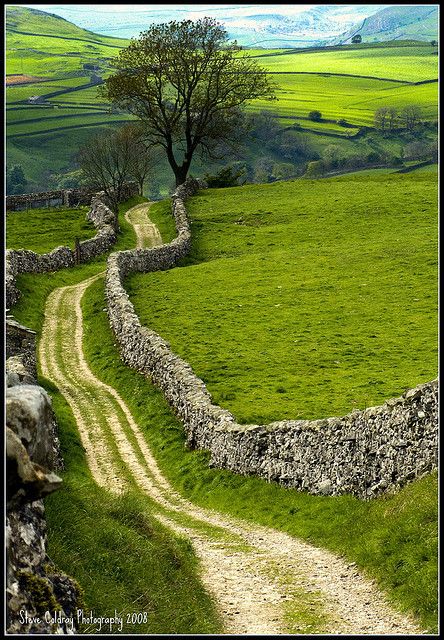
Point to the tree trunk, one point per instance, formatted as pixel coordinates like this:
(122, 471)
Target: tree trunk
(181, 175)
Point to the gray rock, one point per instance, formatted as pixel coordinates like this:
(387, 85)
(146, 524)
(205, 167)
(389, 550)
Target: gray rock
(29, 414)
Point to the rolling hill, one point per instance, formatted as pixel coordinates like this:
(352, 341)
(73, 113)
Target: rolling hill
(62, 65)
(396, 23)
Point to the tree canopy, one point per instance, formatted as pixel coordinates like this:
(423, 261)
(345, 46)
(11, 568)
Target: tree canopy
(187, 84)
(111, 159)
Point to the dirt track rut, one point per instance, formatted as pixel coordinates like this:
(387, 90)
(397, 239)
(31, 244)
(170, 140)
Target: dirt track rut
(263, 581)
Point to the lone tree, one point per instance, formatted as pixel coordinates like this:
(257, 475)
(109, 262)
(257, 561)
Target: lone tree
(185, 83)
(110, 160)
(357, 39)
(316, 116)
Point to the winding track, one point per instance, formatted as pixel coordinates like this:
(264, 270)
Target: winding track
(263, 581)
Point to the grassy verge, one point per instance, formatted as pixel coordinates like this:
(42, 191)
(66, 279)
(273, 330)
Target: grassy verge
(160, 214)
(394, 539)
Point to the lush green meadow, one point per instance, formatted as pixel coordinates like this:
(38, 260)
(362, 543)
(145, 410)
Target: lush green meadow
(304, 299)
(42, 230)
(25, 20)
(393, 539)
(46, 45)
(351, 98)
(410, 63)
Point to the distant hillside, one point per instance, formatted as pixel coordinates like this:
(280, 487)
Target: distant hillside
(396, 23)
(252, 25)
(29, 21)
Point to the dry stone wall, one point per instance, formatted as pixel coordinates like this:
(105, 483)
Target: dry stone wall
(60, 197)
(364, 453)
(25, 261)
(40, 599)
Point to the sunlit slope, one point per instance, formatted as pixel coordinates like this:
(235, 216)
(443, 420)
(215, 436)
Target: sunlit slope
(305, 299)
(352, 83)
(44, 45)
(412, 63)
(32, 21)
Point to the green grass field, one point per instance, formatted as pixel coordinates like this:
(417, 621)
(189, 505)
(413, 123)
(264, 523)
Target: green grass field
(42, 230)
(410, 63)
(45, 45)
(352, 99)
(302, 299)
(57, 49)
(393, 539)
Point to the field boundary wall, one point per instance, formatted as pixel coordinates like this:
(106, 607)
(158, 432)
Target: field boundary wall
(25, 261)
(33, 462)
(364, 453)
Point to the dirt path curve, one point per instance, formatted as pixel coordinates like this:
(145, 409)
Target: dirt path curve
(264, 582)
(147, 233)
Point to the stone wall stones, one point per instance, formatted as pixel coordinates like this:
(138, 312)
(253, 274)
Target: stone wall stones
(34, 585)
(20, 344)
(364, 453)
(61, 197)
(25, 261)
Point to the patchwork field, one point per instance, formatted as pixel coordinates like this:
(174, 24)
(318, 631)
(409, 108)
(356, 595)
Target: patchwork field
(351, 98)
(410, 62)
(56, 50)
(304, 299)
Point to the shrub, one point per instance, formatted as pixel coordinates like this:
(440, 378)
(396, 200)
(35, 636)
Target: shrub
(316, 116)
(421, 150)
(355, 161)
(373, 156)
(16, 181)
(342, 122)
(283, 171)
(294, 147)
(263, 170)
(332, 156)
(226, 177)
(315, 169)
(396, 161)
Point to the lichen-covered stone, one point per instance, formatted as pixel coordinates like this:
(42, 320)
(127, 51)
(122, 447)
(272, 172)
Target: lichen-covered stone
(36, 591)
(28, 414)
